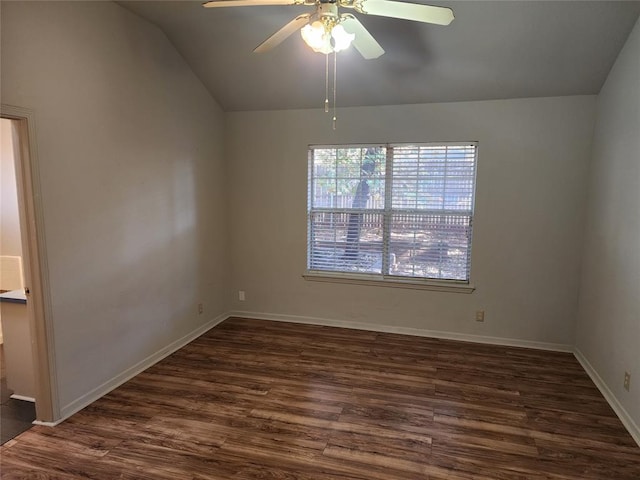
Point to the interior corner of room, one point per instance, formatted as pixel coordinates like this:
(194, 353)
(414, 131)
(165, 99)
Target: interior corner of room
(158, 205)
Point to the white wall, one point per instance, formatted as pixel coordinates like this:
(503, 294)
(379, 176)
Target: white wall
(608, 327)
(131, 160)
(532, 169)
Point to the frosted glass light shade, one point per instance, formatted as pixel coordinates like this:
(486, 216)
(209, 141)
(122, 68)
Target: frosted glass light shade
(341, 39)
(315, 35)
(321, 40)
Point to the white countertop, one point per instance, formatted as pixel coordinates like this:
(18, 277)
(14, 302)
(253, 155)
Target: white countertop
(14, 296)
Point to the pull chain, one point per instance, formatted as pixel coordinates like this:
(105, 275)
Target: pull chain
(326, 85)
(335, 68)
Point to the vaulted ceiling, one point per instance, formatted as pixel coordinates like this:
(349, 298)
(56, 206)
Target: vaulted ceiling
(492, 50)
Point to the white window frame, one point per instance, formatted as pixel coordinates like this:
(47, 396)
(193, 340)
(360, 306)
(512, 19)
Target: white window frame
(454, 286)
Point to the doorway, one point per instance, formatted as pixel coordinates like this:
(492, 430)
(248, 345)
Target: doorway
(32, 299)
(17, 386)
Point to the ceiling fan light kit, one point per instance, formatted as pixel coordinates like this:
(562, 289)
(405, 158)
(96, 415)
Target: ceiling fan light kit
(324, 39)
(327, 31)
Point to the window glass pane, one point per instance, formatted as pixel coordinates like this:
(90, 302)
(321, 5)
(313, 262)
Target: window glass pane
(324, 163)
(460, 178)
(349, 162)
(346, 242)
(322, 189)
(347, 191)
(430, 246)
(376, 193)
(404, 192)
(437, 177)
(348, 178)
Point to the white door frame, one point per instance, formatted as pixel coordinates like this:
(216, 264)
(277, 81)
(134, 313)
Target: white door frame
(36, 273)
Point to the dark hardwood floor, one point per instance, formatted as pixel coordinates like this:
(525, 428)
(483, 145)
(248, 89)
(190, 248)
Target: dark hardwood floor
(16, 416)
(265, 400)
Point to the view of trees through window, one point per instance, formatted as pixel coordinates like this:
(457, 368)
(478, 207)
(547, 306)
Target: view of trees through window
(392, 210)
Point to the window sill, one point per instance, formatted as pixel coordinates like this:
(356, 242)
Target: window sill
(394, 282)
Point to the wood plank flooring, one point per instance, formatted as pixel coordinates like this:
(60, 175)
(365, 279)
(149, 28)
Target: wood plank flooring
(266, 400)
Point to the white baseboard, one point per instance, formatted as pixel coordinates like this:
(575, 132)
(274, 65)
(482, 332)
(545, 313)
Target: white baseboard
(131, 372)
(620, 411)
(463, 337)
(48, 424)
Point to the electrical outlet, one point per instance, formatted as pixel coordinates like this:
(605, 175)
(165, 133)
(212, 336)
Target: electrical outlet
(241, 295)
(627, 381)
(480, 316)
(200, 309)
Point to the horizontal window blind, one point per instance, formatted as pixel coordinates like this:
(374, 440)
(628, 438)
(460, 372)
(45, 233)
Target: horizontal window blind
(394, 210)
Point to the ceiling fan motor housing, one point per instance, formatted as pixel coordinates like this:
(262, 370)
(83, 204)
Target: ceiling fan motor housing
(327, 10)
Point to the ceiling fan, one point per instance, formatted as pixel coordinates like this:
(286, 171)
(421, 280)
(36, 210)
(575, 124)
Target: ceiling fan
(327, 31)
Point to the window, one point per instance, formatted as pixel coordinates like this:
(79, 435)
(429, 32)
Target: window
(400, 211)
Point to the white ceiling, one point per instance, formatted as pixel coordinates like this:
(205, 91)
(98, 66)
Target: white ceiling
(492, 50)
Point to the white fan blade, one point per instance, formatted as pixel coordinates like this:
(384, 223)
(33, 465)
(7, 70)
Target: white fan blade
(407, 11)
(249, 3)
(278, 37)
(364, 42)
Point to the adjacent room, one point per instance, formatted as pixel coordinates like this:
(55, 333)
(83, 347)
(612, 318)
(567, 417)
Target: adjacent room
(325, 239)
